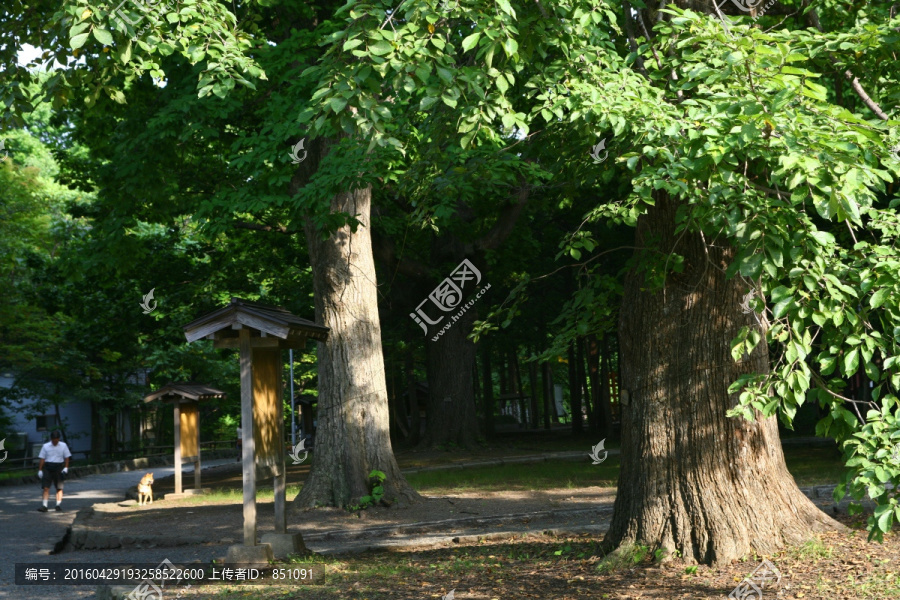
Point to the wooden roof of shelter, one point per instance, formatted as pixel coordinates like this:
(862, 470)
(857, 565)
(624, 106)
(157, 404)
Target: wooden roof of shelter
(271, 326)
(172, 392)
(306, 398)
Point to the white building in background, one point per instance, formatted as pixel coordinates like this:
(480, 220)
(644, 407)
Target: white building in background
(32, 425)
(34, 431)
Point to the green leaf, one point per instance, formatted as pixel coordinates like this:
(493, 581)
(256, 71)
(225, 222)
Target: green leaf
(851, 362)
(78, 41)
(337, 104)
(878, 298)
(823, 237)
(103, 36)
(781, 308)
(505, 7)
(470, 41)
(380, 48)
(427, 102)
(125, 52)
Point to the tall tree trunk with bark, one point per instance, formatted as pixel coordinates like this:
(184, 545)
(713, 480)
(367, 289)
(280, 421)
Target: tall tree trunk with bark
(593, 356)
(581, 374)
(352, 437)
(451, 398)
(534, 389)
(693, 480)
(488, 378)
(412, 398)
(548, 411)
(575, 392)
(604, 418)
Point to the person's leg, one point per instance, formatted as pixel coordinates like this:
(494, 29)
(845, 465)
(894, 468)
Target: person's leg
(44, 496)
(58, 482)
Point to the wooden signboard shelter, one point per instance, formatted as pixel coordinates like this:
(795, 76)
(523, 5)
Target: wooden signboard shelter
(260, 332)
(186, 398)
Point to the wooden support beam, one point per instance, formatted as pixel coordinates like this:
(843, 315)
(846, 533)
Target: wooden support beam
(280, 483)
(255, 342)
(177, 411)
(247, 447)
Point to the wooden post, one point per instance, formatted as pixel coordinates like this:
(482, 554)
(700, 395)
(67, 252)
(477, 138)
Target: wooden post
(178, 489)
(280, 483)
(280, 515)
(247, 448)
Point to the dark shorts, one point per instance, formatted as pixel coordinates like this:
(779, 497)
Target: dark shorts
(53, 473)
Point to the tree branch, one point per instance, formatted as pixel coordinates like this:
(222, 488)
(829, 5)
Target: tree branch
(385, 251)
(505, 224)
(256, 227)
(813, 19)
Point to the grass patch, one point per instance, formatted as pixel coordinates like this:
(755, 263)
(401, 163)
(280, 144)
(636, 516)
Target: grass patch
(235, 496)
(812, 549)
(814, 466)
(521, 477)
(809, 466)
(626, 556)
(18, 473)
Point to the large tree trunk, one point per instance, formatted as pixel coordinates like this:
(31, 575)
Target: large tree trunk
(575, 392)
(412, 399)
(693, 480)
(352, 437)
(488, 378)
(604, 412)
(451, 398)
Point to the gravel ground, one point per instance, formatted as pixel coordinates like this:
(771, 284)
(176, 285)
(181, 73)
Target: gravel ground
(29, 536)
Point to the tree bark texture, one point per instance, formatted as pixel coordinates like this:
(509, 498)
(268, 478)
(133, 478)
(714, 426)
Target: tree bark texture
(487, 376)
(604, 419)
(353, 436)
(412, 399)
(533, 389)
(575, 392)
(714, 488)
(451, 399)
(547, 402)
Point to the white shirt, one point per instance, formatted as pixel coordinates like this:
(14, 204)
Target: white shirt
(55, 454)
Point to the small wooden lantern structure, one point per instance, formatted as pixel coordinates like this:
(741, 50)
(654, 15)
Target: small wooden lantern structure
(185, 399)
(260, 331)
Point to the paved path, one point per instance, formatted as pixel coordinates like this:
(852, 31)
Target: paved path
(28, 536)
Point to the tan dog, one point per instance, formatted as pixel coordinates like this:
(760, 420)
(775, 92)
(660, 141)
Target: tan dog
(145, 489)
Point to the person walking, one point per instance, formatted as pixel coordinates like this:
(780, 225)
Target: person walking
(55, 458)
